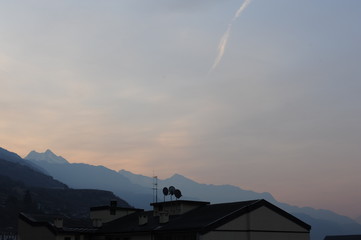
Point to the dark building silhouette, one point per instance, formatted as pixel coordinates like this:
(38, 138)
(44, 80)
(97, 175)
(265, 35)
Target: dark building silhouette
(171, 220)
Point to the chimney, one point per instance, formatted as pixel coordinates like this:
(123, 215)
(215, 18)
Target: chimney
(97, 222)
(163, 217)
(58, 222)
(143, 219)
(113, 207)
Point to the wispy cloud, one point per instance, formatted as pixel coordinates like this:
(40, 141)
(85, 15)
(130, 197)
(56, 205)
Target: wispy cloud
(241, 9)
(223, 42)
(222, 46)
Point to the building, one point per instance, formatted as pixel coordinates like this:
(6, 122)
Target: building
(53, 227)
(57, 227)
(191, 220)
(178, 220)
(103, 214)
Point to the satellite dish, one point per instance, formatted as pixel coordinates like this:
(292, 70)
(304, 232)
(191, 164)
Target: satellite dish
(165, 191)
(177, 193)
(171, 190)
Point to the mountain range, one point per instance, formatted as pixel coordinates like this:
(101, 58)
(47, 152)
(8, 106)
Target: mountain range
(26, 187)
(80, 175)
(138, 191)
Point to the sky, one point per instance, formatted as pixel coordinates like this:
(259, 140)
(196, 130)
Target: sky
(267, 100)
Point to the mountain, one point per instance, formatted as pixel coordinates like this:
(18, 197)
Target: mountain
(25, 188)
(137, 189)
(16, 196)
(324, 222)
(204, 192)
(15, 158)
(358, 219)
(80, 175)
(28, 176)
(221, 193)
(11, 156)
(47, 156)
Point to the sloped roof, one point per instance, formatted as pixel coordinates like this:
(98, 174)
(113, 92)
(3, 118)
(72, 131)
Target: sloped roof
(130, 223)
(208, 217)
(201, 219)
(69, 224)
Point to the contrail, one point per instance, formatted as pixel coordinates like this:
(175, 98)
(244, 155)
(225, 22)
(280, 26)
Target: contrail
(222, 46)
(223, 42)
(241, 8)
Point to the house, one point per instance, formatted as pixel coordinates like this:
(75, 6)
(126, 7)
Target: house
(53, 227)
(173, 220)
(57, 227)
(191, 220)
(103, 214)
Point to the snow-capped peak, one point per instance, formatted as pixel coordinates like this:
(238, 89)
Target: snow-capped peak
(47, 156)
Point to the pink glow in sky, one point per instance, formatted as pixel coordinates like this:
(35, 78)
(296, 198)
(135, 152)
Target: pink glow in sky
(126, 84)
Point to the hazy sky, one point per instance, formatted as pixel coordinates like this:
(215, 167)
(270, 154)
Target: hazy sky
(129, 84)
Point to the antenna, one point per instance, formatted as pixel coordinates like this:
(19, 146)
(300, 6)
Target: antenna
(155, 189)
(177, 193)
(171, 191)
(165, 192)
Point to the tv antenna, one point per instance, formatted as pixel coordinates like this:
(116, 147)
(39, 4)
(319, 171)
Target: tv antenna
(177, 193)
(155, 189)
(172, 191)
(165, 192)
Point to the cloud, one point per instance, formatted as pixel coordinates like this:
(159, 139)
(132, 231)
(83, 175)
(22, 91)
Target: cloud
(224, 40)
(222, 46)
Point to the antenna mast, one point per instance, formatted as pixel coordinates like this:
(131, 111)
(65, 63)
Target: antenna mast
(155, 189)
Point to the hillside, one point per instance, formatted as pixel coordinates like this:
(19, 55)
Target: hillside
(80, 175)
(28, 176)
(24, 189)
(15, 158)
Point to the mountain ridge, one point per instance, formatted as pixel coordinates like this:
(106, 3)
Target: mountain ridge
(81, 175)
(15, 158)
(322, 219)
(48, 156)
(24, 188)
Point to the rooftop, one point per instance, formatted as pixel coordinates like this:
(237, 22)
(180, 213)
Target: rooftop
(202, 219)
(69, 224)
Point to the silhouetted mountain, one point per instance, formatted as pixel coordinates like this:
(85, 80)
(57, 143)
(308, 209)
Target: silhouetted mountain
(73, 202)
(24, 188)
(222, 193)
(80, 175)
(322, 227)
(15, 158)
(17, 197)
(195, 191)
(324, 222)
(358, 219)
(130, 186)
(10, 156)
(28, 176)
